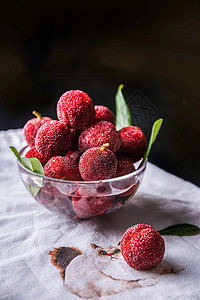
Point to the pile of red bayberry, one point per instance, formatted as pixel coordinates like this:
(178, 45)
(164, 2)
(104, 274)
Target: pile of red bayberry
(83, 144)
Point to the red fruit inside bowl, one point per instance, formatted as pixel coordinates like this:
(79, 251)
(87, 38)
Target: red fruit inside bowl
(34, 153)
(75, 108)
(53, 139)
(74, 154)
(124, 166)
(53, 201)
(133, 142)
(86, 207)
(97, 134)
(103, 113)
(52, 190)
(98, 163)
(32, 126)
(62, 167)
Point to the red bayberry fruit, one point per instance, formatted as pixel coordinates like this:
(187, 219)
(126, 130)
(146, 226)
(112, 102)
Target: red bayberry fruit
(52, 202)
(103, 113)
(59, 189)
(34, 153)
(124, 166)
(131, 191)
(74, 155)
(98, 163)
(75, 108)
(91, 206)
(62, 167)
(98, 134)
(133, 142)
(50, 189)
(32, 126)
(142, 247)
(53, 139)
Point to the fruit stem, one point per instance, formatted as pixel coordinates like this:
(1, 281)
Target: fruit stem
(37, 114)
(104, 146)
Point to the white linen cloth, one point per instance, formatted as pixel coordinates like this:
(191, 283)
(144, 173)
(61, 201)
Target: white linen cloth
(29, 232)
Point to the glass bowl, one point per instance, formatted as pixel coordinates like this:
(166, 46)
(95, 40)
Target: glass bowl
(81, 199)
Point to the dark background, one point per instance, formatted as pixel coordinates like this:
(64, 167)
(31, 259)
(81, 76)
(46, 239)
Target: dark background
(152, 47)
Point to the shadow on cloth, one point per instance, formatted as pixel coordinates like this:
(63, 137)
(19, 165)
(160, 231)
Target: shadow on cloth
(157, 212)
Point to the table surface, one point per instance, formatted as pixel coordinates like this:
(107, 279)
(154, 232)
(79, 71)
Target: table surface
(29, 232)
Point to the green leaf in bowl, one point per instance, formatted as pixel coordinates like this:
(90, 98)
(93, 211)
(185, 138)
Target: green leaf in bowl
(34, 190)
(33, 164)
(123, 119)
(123, 116)
(14, 150)
(154, 132)
(27, 163)
(37, 166)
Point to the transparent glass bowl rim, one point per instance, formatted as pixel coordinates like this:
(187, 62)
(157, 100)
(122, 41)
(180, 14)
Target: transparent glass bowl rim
(115, 179)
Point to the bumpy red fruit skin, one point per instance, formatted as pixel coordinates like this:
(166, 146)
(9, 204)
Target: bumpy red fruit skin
(62, 167)
(75, 108)
(142, 247)
(74, 155)
(34, 153)
(124, 166)
(97, 164)
(91, 206)
(98, 134)
(133, 142)
(103, 113)
(53, 139)
(31, 128)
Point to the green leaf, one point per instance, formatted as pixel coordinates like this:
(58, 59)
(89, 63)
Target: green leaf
(33, 164)
(32, 189)
(154, 132)
(14, 150)
(123, 116)
(37, 166)
(180, 230)
(27, 163)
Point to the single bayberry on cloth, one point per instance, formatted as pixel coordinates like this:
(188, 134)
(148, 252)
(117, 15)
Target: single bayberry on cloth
(142, 247)
(32, 126)
(53, 139)
(98, 163)
(98, 134)
(103, 113)
(76, 109)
